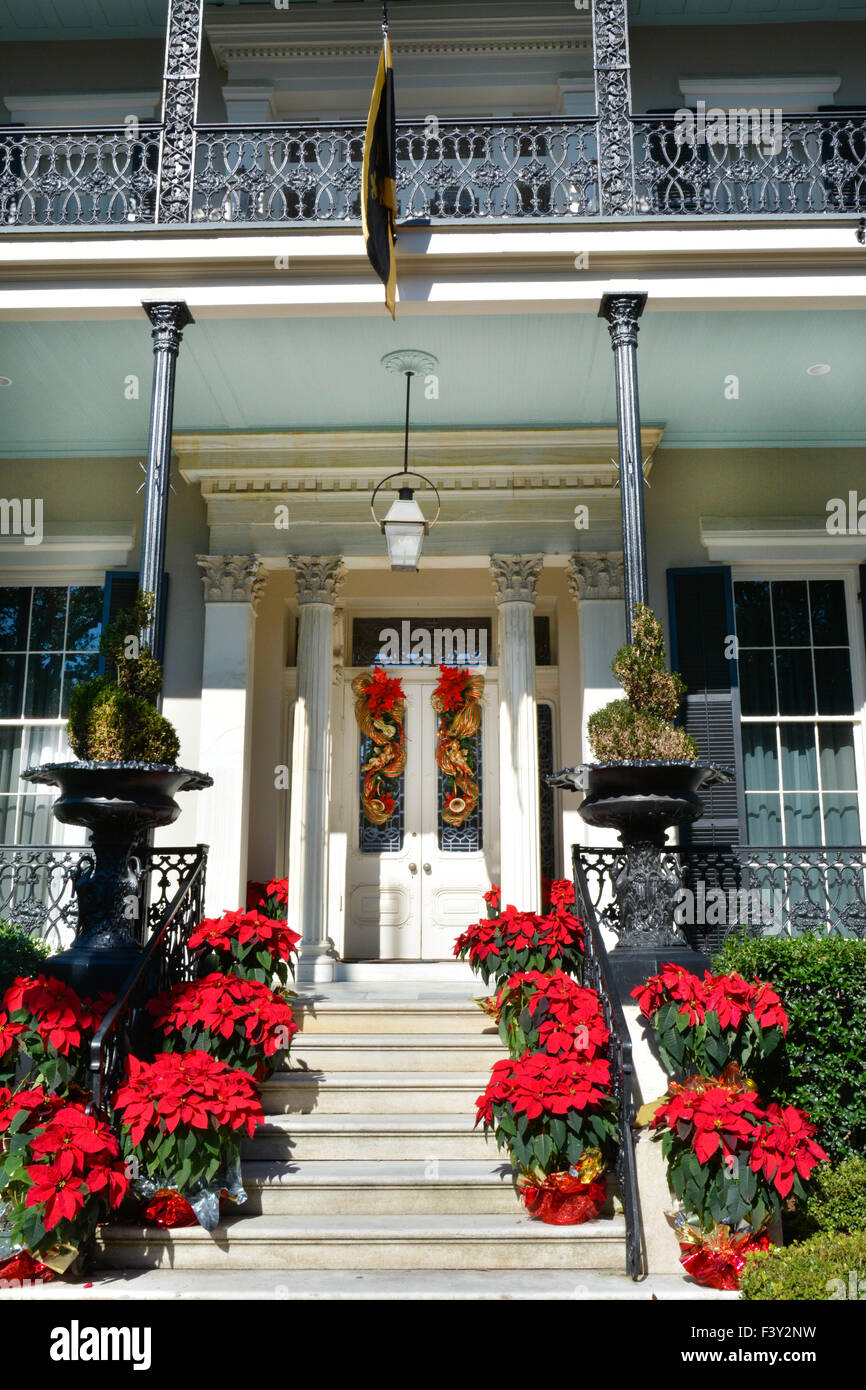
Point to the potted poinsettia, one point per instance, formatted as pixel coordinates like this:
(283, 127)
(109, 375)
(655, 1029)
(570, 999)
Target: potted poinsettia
(731, 1162)
(240, 1022)
(499, 947)
(538, 1012)
(250, 944)
(182, 1118)
(61, 1173)
(555, 1115)
(702, 1025)
(45, 1031)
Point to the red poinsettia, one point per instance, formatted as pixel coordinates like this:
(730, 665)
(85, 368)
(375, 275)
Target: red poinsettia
(560, 893)
(551, 1013)
(46, 1020)
(785, 1148)
(62, 1162)
(249, 944)
(189, 1089)
(729, 1019)
(383, 693)
(714, 1117)
(242, 1022)
(499, 947)
(451, 687)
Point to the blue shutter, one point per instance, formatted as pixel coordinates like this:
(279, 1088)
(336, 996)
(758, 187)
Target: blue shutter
(701, 612)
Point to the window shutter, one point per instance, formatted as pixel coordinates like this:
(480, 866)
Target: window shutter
(700, 603)
(121, 586)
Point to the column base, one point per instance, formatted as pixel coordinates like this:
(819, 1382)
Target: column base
(316, 963)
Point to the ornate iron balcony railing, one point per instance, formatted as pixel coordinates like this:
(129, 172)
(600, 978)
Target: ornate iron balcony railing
(809, 164)
(753, 889)
(37, 887)
(446, 171)
(78, 178)
(508, 171)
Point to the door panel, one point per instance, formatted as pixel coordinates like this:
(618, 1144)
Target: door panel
(411, 902)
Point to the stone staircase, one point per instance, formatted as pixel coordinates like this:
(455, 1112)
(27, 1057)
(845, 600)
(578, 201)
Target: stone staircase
(369, 1160)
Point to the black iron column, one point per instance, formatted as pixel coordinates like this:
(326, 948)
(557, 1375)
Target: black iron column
(622, 312)
(613, 104)
(179, 109)
(169, 321)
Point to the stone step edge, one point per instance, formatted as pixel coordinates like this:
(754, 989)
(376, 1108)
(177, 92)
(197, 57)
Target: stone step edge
(400, 1041)
(370, 1124)
(377, 1080)
(379, 1229)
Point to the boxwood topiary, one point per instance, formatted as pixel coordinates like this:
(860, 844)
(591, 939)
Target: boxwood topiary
(826, 1267)
(113, 718)
(642, 726)
(822, 984)
(20, 954)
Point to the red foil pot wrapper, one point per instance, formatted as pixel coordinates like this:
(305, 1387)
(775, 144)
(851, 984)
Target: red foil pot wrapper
(719, 1262)
(168, 1209)
(563, 1200)
(23, 1268)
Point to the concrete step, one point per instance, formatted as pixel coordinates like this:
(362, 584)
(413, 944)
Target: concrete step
(358, 1188)
(376, 1285)
(362, 1137)
(299, 1092)
(396, 1052)
(455, 1242)
(390, 1015)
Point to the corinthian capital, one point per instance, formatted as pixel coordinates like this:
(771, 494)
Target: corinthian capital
(515, 577)
(319, 577)
(169, 319)
(232, 578)
(596, 574)
(622, 312)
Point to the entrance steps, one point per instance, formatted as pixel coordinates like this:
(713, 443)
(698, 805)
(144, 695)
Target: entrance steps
(370, 1161)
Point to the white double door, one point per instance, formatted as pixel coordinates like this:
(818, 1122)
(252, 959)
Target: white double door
(411, 899)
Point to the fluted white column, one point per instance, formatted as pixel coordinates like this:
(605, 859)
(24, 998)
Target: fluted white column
(233, 585)
(319, 579)
(515, 578)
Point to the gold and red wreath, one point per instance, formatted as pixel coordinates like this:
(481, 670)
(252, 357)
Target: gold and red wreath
(380, 709)
(457, 701)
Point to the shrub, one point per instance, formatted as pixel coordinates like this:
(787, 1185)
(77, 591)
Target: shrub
(827, 1267)
(20, 954)
(837, 1202)
(821, 1065)
(641, 726)
(113, 718)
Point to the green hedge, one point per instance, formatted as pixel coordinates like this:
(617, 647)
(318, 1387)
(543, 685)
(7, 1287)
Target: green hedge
(822, 984)
(836, 1201)
(20, 954)
(827, 1267)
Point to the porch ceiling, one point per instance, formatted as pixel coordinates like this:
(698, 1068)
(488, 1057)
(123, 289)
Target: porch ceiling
(72, 380)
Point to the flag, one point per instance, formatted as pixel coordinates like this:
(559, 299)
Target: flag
(379, 177)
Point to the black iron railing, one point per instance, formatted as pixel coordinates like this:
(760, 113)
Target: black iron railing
(597, 976)
(799, 164)
(37, 887)
(447, 171)
(165, 961)
(753, 889)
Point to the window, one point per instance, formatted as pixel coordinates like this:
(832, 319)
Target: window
(800, 727)
(49, 638)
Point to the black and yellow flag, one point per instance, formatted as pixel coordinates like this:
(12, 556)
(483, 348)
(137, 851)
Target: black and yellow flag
(379, 177)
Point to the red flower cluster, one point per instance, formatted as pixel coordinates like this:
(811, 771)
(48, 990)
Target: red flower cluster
(493, 898)
(52, 1011)
(74, 1157)
(538, 1083)
(717, 1117)
(250, 943)
(383, 693)
(225, 1006)
(731, 997)
(278, 888)
(565, 1016)
(190, 1089)
(451, 687)
(516, 941)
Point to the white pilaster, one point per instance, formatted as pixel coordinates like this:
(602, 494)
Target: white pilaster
(595, 581)
(515, 577)
(319, 579)
(233, 585)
